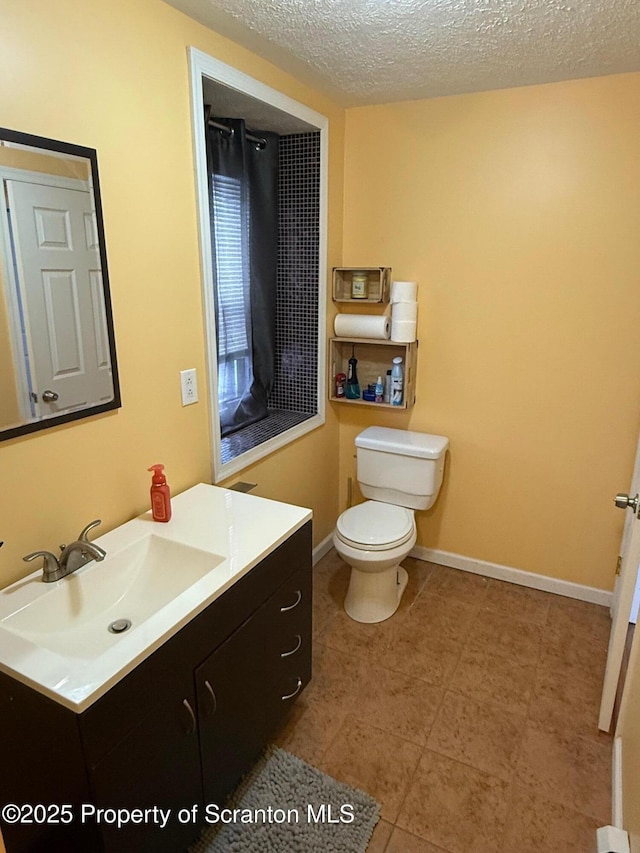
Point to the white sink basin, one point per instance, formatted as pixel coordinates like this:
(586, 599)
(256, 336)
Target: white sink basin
(55, 637)
(72, 617)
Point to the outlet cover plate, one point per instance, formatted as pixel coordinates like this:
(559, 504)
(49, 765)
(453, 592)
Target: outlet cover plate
(189, 386)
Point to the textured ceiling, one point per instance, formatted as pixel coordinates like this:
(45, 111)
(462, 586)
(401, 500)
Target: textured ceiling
(375, 51)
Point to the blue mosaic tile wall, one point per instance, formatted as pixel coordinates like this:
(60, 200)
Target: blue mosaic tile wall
(295, 386)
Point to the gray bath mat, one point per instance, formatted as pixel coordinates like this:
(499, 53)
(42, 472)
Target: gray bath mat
(286, 806)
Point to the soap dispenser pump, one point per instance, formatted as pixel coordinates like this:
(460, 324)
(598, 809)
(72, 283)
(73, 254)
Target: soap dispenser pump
(160, 494)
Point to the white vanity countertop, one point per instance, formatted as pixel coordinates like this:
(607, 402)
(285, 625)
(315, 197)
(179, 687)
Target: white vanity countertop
(237, 529)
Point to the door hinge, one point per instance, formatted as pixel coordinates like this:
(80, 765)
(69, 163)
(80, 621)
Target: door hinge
(619, 564)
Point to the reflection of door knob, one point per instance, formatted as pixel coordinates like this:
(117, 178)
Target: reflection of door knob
(624, 501)
(49, 396)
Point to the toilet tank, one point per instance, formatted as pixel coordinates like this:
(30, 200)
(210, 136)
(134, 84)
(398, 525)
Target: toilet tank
(400, 467)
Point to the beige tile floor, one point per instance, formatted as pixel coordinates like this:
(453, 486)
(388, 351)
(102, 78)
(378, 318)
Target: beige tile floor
(470, 715)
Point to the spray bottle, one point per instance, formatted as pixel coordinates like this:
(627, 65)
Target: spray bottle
(397, 382)
(353, 386)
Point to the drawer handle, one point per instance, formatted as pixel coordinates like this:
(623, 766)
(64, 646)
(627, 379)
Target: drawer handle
(192, 717)
(295, 692)
(293, 651)
(295, 603)
(213, 707)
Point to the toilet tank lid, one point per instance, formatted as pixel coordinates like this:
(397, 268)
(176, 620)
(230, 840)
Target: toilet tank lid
(402, 441)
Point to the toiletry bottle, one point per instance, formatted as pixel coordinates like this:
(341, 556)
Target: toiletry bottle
(387, 387)
(379, 390)
(397, 382)
(160, 494)
(353, 386)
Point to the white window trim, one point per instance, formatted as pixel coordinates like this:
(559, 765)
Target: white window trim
(202, 65)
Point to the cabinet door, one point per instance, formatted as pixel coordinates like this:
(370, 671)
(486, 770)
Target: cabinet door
(230, 691)
(41, 763)
(289, 637)
(156, 765)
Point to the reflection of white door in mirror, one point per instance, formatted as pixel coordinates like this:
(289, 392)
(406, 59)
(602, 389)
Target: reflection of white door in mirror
(57, 344)
(57, 267)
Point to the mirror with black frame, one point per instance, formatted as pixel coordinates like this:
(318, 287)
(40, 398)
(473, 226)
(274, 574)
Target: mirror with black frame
(57, 345)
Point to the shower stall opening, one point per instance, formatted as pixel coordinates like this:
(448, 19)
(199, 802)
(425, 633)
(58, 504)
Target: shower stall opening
(293, 398)
(263, 395)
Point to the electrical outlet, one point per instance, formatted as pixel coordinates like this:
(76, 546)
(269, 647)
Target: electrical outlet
(189, 386)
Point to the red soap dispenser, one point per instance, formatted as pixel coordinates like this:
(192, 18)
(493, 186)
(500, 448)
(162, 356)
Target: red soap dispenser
(160, 494)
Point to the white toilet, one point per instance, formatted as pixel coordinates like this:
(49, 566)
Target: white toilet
(400, 471)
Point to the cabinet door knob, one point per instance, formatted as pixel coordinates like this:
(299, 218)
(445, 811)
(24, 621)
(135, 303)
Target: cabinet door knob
(295, 692)
(192, 717)
(213, 702)
(294, 650)
(295, 603)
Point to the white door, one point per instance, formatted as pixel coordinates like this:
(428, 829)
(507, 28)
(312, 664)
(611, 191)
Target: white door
(623, 598)
(60, 282)
(634, 488)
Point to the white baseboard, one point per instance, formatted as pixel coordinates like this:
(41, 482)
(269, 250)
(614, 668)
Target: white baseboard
(518, 576)
(322, 548)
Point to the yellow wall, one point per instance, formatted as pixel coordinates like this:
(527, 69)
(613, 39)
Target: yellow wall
(518, 212)
(114, 76)
(31, 161)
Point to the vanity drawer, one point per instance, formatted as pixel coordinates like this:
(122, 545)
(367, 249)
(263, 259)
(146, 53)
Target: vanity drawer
(289, 642)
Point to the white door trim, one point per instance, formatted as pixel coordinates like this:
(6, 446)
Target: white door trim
(620, 624)
(634, 488)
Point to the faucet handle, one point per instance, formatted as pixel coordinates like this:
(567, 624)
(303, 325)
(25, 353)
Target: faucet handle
(51, 563)
(83, 536)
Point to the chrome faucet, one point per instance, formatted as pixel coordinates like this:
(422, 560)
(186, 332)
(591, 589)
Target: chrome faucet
(72, 556)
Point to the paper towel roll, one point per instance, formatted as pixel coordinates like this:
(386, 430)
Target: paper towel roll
(404, 311)
(403, 331)
(374, 326)
(404, 291)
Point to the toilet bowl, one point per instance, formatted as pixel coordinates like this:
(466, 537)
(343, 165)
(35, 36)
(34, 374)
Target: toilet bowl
(374, 538)
(402, 471)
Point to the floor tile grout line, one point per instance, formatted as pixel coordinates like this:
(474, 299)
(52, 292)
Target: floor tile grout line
(508, 811)
(445, 684)
(512, 771)
(460, 764)
(408, 788)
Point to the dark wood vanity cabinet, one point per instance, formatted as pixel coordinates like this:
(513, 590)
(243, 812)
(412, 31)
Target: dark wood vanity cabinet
(230, 686)
(178, 732)
(156, 765)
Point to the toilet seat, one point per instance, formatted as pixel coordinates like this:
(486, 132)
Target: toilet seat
(375, 526)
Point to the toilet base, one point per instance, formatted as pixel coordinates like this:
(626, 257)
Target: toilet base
(375, 596)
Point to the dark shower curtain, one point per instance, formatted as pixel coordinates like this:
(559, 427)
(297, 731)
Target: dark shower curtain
(243, 198)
